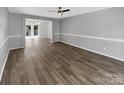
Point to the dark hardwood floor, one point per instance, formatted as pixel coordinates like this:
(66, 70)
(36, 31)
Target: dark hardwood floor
(44, 63)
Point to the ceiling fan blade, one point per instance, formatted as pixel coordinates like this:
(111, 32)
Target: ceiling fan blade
(66, 10)
(53, 11)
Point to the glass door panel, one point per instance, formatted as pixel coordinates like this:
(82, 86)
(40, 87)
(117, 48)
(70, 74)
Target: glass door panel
(28, 30)
(32, 31)
(35, 30)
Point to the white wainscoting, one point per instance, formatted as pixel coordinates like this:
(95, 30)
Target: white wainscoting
(11, 36)
(92, 37)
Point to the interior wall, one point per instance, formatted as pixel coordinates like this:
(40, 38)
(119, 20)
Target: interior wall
(101, 32)
(44, 29)
(15, 30)
(50, 29)
(56, 31)
(3, 38)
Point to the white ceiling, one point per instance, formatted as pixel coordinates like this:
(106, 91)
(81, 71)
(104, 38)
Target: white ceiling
(43, 11)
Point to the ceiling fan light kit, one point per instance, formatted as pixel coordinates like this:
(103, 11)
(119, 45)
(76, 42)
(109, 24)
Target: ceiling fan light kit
(60, 11)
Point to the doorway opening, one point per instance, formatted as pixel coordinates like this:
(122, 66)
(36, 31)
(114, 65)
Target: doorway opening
(38, 29)
(32, 28)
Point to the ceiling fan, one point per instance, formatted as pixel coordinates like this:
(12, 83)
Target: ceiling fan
(60, 11)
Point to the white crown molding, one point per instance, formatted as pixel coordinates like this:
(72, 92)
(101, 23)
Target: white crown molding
(75, 11)
(93, 37)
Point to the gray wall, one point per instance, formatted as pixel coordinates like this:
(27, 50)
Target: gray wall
(100, 31)
(56, 29)
(44, 29)
(15, 30)
(3, 38)
(15, 24)
(50, 30)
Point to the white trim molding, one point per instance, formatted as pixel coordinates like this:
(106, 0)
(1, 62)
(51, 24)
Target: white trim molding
(4, 42)
(15, 36)
(56, 33)
(11, 36)
(93, 37)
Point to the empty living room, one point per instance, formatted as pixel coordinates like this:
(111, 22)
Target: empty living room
(61, 45)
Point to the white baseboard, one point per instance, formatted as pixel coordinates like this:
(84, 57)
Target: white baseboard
(57, 41)
(15, 48)
(1, 74)
(120, 59)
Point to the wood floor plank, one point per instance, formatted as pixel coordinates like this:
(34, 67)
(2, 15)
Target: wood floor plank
(60, 64)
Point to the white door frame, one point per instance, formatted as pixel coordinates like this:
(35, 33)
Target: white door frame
(24, 36)
(32, 31)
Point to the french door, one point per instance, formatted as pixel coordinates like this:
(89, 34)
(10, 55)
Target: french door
(32, 31)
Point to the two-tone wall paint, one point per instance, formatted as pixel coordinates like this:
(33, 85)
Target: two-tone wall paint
(12, 33)
(4, 49)
(17, 28)
(101, 32)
